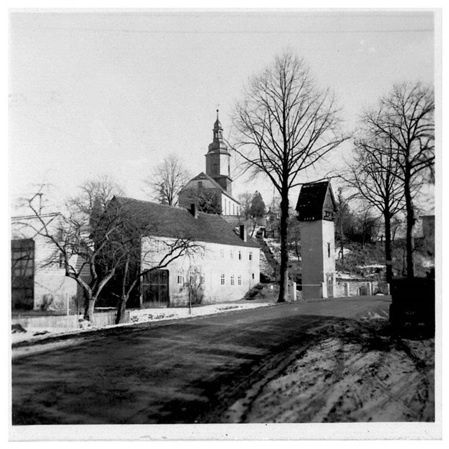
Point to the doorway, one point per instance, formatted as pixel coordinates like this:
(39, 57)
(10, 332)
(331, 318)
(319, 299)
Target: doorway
(155, 291)
(330, 285)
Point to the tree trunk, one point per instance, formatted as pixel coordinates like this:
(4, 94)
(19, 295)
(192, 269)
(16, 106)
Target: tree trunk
(341, 241)
(410, 219)
(283, 288)
(89, 307)
(121, 310)
(388, 251)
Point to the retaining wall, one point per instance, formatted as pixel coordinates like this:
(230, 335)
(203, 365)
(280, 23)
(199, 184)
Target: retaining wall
(360, 288)
(100, 319)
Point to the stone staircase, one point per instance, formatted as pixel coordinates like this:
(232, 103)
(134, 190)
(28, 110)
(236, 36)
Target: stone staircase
(269, 256)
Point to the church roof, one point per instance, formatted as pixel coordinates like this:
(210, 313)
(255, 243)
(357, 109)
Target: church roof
(174, 222)
(203, 175)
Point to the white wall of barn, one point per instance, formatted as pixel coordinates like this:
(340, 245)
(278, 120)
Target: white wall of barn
(227, 272)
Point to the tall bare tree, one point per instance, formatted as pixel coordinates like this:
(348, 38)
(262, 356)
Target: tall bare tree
(285, 124)
(167, 180)
(374, 174)
(405, 119)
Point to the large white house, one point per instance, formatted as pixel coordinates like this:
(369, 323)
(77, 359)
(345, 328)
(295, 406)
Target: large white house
(222, 265)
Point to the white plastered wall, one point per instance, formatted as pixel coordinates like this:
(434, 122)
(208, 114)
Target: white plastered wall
(211, 261)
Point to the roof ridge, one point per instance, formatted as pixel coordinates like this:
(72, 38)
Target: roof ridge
(149, 202)
(165, 205)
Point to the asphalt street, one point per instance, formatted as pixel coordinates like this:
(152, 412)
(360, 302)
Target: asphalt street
(185, 371)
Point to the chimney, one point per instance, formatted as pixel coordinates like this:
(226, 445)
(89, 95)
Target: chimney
(194, 210)
(243, 234)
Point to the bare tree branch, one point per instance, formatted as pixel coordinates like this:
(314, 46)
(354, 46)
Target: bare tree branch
(166, 181)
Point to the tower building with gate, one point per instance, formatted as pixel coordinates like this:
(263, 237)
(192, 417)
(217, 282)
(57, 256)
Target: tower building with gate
(316, 209)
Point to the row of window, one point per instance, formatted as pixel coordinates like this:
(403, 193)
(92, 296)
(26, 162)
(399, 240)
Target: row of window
(156, 247)
(192, 277)
(195, 278)
(232, 279)
(233, 254)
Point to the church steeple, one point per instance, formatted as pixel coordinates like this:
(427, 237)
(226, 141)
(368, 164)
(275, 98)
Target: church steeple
(218, 129)
(218, 143)
(218, 158)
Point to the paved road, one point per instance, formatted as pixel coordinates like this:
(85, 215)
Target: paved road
(183, 372)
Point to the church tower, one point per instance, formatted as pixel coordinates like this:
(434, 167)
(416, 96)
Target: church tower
(218, 159)
(214, 185)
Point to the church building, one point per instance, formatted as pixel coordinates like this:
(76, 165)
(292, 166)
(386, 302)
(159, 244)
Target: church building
(216, 182)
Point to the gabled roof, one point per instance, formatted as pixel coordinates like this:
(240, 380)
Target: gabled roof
(203, 175)
(312, 199)
(167, 221)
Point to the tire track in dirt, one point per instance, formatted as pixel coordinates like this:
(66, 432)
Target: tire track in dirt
(350, 373)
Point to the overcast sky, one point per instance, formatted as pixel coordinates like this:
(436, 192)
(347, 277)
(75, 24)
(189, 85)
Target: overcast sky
(114, 93)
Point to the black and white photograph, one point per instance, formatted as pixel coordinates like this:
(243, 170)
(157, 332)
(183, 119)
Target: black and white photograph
(224, 224)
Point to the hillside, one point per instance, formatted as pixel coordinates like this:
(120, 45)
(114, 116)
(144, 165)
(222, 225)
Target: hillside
(367, 261)
(361, 261)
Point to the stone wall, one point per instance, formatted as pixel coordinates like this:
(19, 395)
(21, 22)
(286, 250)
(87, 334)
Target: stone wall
(345, 288)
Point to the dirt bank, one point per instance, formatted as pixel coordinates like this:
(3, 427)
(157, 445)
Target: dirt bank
(349, 372)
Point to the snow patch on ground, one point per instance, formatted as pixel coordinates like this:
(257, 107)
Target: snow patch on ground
(350, 373)
(146, 315)
(139, 316)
